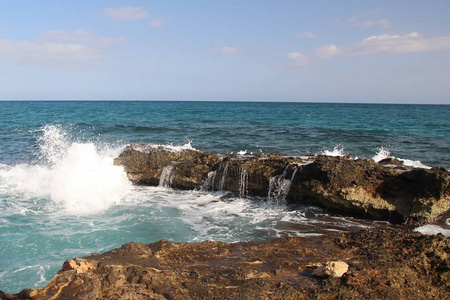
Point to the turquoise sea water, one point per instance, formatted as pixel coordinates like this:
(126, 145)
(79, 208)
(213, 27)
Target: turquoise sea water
(61, 197)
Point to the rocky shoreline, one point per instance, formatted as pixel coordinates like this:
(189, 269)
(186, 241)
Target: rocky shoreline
(383, 262)
(387, 190)
(379, 264)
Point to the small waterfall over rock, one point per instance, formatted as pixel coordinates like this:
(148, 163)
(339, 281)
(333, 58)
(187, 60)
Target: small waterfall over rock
(224, 176)
(166, 177)
(208, 185)
(279, 187)
(243, 183)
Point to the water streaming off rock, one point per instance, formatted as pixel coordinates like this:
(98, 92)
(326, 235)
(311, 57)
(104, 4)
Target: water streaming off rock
(224, 177)
(208, 185)
(243, 183)
(166, 178)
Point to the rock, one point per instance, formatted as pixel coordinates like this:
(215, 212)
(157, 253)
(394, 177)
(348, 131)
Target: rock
(366, 189)
(384, 264)
(391, 161)
(79, 265)
(144, 165)
(359, 188)
(333, 269)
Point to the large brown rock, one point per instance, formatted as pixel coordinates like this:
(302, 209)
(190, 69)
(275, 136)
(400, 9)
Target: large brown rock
(355, 187)
(367, 189)
(144, 165)
(375, 263)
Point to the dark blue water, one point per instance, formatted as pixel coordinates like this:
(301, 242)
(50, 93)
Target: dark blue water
(415, 132)
(61, 196)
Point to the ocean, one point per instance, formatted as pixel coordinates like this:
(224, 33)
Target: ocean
(62, 197)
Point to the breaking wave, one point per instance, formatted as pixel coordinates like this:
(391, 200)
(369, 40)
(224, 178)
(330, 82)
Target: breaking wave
(78, 176)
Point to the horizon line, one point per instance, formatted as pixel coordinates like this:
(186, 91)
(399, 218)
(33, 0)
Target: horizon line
(218, 101)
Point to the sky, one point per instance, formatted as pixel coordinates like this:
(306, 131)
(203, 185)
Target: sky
(245, 50)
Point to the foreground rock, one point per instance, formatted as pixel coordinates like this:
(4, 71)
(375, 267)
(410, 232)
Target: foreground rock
(381, 264)
(360, 187)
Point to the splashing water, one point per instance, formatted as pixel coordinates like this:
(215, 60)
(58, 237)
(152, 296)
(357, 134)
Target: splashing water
(278, 189)
(53, 144)
(383, 153)
(338, 150)
(74, 175)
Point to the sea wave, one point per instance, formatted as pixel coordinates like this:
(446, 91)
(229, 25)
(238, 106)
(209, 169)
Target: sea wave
(78, 176)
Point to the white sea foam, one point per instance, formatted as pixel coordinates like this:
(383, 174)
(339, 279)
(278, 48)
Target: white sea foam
(432, 230)
(76, 176)
(413, 163)
(338, 150)
(54, 143)
(38, 272)
(168, 147)
(383, 153)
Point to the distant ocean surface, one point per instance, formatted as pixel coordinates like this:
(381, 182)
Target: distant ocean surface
(61, 197)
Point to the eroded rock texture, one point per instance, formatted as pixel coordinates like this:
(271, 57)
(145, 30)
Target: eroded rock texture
(382, 264)
(355, 187)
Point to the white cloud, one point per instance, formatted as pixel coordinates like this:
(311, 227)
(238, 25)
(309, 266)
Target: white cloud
(219, 46)
(299, 59)
(377, 44)
(57, 49)
(388, 44)
(305, 34)
(127, 13)
(156, 24)
(228, 50)
(384, 23)
(366, 20)
(82, 36)
(61, 36)
(49, 54)
(328, 51)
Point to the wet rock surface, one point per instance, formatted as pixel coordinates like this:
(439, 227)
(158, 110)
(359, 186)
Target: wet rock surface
(362, 188)
(382, 264)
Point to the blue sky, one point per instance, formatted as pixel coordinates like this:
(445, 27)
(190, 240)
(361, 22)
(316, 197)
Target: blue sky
(306, 51)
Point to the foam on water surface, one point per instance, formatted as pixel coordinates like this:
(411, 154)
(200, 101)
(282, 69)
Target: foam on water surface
(432, 230)
(168, 147)
(414, 163)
